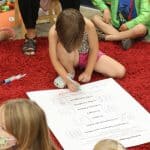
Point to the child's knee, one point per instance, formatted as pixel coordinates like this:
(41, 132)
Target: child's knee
(120, 72)
(140, 30)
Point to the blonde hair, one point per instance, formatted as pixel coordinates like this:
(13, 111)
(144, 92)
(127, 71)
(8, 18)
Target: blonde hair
(26, 121)
(108, 144)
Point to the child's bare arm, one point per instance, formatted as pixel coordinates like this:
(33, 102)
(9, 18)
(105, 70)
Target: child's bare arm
(106, 16)
(93, 43)
(53, 39)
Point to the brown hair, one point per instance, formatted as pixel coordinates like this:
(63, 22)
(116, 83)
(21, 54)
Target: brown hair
(26, 121)
(70, 28)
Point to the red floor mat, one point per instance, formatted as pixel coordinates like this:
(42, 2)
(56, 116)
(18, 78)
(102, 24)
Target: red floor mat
(40, 73)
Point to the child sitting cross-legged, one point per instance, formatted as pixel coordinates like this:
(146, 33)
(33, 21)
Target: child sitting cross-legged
(123, 20)
(73, 42)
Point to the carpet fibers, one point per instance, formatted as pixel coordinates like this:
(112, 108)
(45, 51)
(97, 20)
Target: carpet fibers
(40, 73)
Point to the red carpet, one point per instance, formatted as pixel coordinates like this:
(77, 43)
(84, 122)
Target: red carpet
(40, 73)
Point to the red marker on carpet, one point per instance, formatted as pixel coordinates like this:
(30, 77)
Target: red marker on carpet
(12, 78)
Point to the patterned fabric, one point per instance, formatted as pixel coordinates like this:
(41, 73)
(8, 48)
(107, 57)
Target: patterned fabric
(85, 44)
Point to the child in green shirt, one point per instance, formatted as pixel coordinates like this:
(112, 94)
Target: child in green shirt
(123, 20)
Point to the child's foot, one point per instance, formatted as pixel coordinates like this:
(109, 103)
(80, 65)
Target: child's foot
(29, 47)
(126, 43)
(7, 34)
(60, 83)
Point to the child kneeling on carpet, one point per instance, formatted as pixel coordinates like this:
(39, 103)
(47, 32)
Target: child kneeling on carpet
(23, 126)
(109, 144)
(73, 42)
(7, 34)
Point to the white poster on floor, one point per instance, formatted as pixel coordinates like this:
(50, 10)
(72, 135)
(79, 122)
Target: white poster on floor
(99, 110)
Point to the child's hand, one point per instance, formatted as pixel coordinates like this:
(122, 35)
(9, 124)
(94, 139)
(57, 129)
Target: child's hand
(123, 27)
(106, 16)
(84, 77)
(73, 86)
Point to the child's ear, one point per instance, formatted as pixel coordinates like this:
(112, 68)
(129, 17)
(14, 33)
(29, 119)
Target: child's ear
(6, 140)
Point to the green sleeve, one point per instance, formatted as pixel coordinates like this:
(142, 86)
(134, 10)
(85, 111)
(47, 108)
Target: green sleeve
(143, 15)
(100, 4)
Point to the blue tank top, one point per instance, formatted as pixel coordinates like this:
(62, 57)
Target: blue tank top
(126, 10)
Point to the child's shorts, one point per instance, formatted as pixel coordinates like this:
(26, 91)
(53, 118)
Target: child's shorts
(83, 58)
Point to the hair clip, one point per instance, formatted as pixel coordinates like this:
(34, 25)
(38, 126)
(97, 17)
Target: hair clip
(4, 142)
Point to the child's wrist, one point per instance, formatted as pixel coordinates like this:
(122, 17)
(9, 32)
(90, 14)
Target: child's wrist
(88, 71)
(69, 76)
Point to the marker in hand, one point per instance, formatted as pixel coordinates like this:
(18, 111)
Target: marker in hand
(74, 82)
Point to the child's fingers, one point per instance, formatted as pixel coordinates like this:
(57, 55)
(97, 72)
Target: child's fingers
(81, 78)
(84, 78)
(72, 88)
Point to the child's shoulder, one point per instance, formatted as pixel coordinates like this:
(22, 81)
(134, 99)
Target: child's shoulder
(87, 21)
(52, 31)
(88, 24)
(52, 28)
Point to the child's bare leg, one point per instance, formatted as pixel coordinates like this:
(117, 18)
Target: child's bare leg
(137, 31)
(66, 59)
(104, 27)
(3, 35)
(109, 67)
(6, 34)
